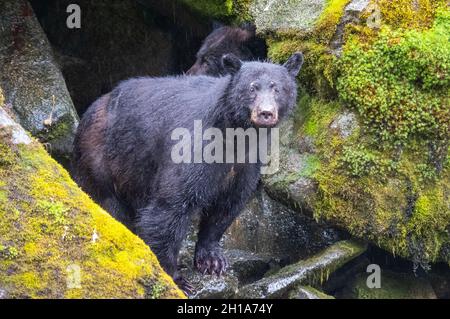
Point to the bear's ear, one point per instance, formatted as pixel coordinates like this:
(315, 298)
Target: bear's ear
(231, 63)
(294, 64)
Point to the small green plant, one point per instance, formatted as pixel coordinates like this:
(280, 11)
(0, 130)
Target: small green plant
(358, 161)
(157, 291)
(8, 253)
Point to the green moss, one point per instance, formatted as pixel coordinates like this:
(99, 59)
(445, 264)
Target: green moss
(400, 85)
(409, 14)
(56, 131)
(388, 181)
(226, 10)
(48, 226)
(326, 26)
(311, 165)
(393, 286)
(212, 8)
(374, 193)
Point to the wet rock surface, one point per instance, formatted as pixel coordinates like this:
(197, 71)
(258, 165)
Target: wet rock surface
(394, 285)
(266, 237)
(307, 292)
(299, 15)
(119, 40)
(352, 12)
(33, 85)
(309, 271)
(293, 184)
(268, 227)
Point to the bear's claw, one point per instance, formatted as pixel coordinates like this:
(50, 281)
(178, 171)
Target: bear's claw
(210, 262)
(184, 285)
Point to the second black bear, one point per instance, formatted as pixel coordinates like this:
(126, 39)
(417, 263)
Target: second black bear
(123, 153)
(240, 41)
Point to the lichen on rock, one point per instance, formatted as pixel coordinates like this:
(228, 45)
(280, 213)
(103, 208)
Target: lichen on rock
(55, 242)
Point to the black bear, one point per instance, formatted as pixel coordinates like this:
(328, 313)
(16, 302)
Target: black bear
(240, 41)
(123, 153)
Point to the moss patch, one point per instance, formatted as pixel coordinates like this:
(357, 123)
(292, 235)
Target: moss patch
(388, 181)
(226, 10)
(57, 243)
(400, 85)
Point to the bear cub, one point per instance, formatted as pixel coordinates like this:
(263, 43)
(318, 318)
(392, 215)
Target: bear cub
(123, 154)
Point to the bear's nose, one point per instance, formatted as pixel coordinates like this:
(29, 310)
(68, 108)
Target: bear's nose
(266, 115)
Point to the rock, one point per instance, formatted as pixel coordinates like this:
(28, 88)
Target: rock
(92, 59)
(244, 267)
(307, 292)
(3, 294)
(248, 266)
(206, 286)
(299, 15)
(265, 237)
(211, 286)
(340, 278)
(18, 134)
(309, 271)
(352, 12)
(393, 286)
(439, 278)
(55, 242)
(293, 183)
(269, 228)
(33, 85)
(345, 124)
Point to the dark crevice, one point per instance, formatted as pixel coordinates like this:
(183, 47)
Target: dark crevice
(119, 40)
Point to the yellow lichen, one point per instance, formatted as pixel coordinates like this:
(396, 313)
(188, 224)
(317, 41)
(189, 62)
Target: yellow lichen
(57, 229)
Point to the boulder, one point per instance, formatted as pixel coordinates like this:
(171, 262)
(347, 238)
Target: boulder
(367, 149)
(313, 271)
(33, 85)
(278, 16)
(55, 242)
(265, 237)
(393, 286)
(307, 292)
(269, 228)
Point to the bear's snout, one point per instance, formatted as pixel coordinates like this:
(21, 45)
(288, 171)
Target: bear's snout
(265, 113)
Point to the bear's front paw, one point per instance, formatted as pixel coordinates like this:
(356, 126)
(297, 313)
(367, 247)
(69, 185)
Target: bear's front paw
(210, 261)
(184, 284)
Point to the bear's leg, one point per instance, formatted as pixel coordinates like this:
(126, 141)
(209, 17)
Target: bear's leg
(164, 229)
(214, 222)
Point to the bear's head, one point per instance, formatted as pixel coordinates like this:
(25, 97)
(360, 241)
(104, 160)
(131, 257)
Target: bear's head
(240, 41)
(261, 94)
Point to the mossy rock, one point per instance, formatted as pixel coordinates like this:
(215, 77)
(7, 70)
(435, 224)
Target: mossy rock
(313, 271)
(308, 292)
(393, 286)
(55, 242)
(224, 10)
(369, 143)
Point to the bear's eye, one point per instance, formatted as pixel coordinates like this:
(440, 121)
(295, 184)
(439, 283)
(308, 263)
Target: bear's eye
(274, 87)
(253, 87)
